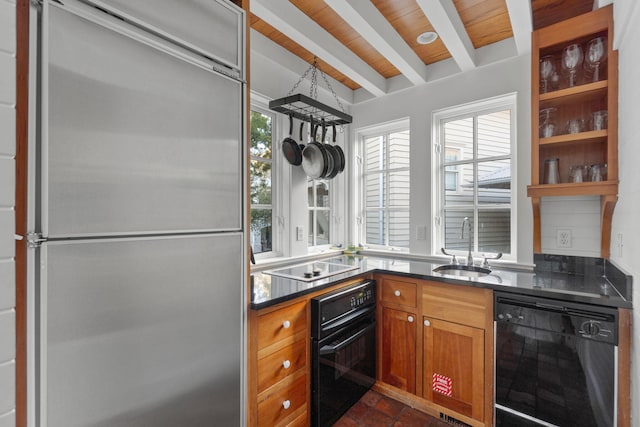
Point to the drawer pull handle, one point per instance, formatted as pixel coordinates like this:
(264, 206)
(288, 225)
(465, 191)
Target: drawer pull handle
(397, 293)
(286, 404)
(427, 323)
(410, 319)
(286, 324)
(286, 364)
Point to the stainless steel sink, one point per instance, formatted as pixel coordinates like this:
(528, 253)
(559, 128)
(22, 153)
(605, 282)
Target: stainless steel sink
(462, 270)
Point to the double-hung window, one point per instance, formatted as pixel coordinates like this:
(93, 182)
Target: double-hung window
(475, 175)
(261, 181)
(385, 186)
(319, 203)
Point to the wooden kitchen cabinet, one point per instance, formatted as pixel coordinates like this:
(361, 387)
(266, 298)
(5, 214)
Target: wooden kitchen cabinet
(453, 366)
(582, 146)
(398, 331)
(281, 379)
(398, 349)
(457, 352)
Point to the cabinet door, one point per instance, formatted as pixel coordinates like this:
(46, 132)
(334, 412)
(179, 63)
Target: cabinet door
(399, 333)
(454, 366)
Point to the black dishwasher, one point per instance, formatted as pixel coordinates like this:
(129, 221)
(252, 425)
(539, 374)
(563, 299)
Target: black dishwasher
(343, 350)
(556, 362)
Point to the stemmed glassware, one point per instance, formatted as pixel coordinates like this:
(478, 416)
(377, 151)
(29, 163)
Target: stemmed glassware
(571, 60)
(596, 53)
(547, 68)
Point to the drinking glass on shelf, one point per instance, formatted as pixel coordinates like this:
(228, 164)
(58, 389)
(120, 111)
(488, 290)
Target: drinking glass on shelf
(596, 53)
(574, 126)
(547, 122)
(599, 120)
(571, 59)
(547, 68)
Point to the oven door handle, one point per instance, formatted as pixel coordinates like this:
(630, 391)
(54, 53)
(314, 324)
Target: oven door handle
(347, 319)
(329, 349)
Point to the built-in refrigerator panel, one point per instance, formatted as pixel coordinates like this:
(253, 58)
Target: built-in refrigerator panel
(138, 137)
(142, 332)
(212, 27)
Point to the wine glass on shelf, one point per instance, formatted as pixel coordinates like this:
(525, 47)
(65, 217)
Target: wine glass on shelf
(596, 53)
(547, 68)
(571, 59)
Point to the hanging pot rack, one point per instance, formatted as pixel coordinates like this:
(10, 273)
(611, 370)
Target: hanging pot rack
(308, 108)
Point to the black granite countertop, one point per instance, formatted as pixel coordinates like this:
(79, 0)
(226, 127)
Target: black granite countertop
(578, 279)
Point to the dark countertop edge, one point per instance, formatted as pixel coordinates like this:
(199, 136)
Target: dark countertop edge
(296, 295)
(566, 296)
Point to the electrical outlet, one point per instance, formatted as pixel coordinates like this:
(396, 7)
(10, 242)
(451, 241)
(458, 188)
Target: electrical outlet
(299, 234)
(563, 238)
(421, 232)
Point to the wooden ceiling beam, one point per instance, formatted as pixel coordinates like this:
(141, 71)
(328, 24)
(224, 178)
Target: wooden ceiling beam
(367, 20)
(521, 18)
(446, 21)
(292, 22)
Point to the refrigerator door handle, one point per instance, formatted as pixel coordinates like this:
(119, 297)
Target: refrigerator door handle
(35, 240)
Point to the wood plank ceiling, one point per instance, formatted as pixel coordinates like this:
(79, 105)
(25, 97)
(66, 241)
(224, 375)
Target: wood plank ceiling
(362, 44)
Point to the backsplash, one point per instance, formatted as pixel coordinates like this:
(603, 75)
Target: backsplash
(586, 267)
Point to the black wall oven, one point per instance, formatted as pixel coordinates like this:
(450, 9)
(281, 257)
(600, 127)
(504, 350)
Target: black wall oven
(556, 363)
(343, 350)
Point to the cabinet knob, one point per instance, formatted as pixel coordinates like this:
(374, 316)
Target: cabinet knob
(410, 319)
(397, 293)
(427, 323)
(286, 404)
(286, 364)
(286, 324)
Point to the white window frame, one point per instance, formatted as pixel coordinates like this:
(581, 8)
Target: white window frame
(439, 117)
(313, 210)
(260, 104)
(362, 134)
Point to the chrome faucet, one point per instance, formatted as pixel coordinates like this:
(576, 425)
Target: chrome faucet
(467, 221)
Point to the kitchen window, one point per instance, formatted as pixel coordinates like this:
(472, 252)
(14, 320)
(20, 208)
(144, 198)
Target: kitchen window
(319, 203)
(261, 165)
(474, 178)
(385, 186)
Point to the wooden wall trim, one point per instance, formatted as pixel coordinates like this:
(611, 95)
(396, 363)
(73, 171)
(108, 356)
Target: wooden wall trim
(22, 133)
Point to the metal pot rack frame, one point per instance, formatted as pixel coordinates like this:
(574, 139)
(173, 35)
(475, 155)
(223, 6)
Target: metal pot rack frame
(308, 108)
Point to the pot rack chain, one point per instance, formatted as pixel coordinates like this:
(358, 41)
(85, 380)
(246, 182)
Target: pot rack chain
(313, 90)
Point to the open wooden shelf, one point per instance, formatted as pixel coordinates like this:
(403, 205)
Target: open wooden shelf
(575, 138)
(577, 102)
(601, 188)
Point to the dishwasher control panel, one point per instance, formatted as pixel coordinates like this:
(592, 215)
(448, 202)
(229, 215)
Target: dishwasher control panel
(567, 318)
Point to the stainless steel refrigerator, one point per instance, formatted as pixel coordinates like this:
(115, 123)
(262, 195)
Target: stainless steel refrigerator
(137, 223)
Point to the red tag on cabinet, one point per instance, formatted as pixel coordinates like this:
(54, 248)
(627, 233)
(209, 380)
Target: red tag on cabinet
(442, 384)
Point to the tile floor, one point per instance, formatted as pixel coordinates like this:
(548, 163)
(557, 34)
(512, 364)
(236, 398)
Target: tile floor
(376, 410)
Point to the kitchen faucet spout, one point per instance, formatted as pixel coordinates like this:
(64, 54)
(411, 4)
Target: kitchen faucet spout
(467, 221)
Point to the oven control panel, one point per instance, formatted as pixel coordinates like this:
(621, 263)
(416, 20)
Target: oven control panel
(364, 297)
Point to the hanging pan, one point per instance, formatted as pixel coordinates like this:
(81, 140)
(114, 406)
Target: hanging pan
(314, 157)
(290, 148)
(341, 159)
(333, 155)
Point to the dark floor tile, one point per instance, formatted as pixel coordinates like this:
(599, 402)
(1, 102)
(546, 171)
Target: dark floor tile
(389, 407)
(357, 411)
(371, 398)
(410, 417)
(346, 422)
(374, 418)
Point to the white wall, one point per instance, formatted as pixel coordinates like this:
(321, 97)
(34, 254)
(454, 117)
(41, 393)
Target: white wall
(625, 217)
(7, 219)
(418, 103)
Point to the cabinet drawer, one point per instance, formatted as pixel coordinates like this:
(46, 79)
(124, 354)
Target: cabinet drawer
(282, 403)
(399, 292)
(281, 324)
(465, 305)
(278, 365)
